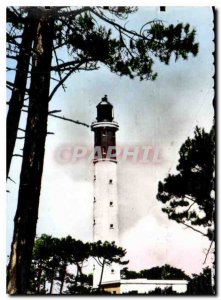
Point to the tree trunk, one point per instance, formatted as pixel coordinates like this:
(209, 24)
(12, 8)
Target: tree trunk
(62, 280)
(18, 93)
(79, 268)
(39, 281)
(32, 165)
(51, 288)
(44, 286)
(102, 271)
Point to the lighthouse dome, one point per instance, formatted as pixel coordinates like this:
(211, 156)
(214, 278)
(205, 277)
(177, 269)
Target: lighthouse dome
(104, 110)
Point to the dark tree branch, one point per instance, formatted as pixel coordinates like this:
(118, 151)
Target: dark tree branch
(23, 130)
(12, 16)
(15, 11)
(193, 228)
(207, 253)
(67, 64)
(59, 46)
(86, 69)
(55, 79)
(18, 155)
(15, 69)
(10, 84)
(189, 197)
(125, 45)
(69, 120)
(13, 51)
(11, 179)
(54, 111)
(191, 206)
(11, 39)
(97, 261)
(73, 14)
(12, 57)
(9, 87)
(59, 72)
(117, 26)
(60, 83)
(65, 78)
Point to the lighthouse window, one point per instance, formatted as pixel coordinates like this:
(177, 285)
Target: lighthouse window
(94, 199)
(111, 226)
(94, 222)
(94, 177)
(111, 203)
(110, 181)
(112, 271)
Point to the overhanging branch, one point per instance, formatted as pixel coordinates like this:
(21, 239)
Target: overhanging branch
(70, 120)
(189, 226)
(60, 67)
(100, 264)
(207, 253)
(117, 26)
(60, 83)
(74, 13)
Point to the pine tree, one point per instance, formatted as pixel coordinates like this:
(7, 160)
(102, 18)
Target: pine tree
(188, 197)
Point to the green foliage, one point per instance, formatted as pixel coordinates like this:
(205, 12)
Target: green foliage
(52, 256)
(105, 254)
(108, 252)
(187, 196)
(166, 291)
(201, 284)
(125, 52)
(164, 272)
(122, 12)
(44, 262)
(127, 274)
(79, 285)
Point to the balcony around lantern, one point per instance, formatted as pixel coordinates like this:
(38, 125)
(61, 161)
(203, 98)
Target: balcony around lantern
(112, 124)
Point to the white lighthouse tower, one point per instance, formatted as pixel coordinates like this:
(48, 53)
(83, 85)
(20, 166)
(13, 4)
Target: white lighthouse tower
(105, 215)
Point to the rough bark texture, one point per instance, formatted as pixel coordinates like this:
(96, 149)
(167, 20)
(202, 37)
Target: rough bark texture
(63, 279)
(26, 216)
(18, 93)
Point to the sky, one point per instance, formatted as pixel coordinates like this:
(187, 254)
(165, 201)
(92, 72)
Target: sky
(160, 114)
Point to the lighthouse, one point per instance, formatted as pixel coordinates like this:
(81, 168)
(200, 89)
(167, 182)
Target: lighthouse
(105, 202)
(105, 208)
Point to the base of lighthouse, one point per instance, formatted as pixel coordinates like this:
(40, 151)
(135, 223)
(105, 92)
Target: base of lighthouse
(105, 214)
(144, 286)
(111, 275)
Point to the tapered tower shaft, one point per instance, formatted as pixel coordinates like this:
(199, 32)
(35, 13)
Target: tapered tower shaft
(105, 214)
